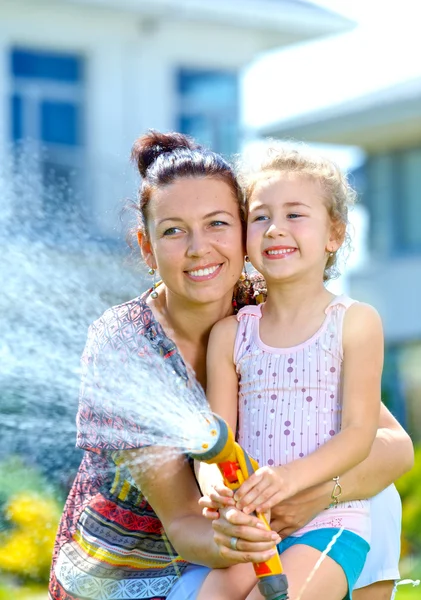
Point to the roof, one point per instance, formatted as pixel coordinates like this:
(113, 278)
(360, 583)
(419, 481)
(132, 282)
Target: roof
(295, 20)
(389, 117)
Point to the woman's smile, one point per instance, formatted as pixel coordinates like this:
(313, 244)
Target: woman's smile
(204, 273)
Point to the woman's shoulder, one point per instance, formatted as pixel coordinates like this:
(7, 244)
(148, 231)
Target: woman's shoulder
(121, 323)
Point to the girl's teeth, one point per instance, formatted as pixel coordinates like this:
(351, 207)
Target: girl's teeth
(203, 272)
(285, 251)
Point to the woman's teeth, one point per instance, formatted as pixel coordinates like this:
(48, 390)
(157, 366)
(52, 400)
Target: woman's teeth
(203, 272)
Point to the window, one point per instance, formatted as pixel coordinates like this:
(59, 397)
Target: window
(208, 108)
(393, 197)
(47, 118)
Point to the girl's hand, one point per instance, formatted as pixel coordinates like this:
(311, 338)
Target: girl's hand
(295, 512)
(254, 542)
(264, 489)
(219, 497)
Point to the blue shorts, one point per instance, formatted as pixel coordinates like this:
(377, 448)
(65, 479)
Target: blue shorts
(349, 550)
(188, 585)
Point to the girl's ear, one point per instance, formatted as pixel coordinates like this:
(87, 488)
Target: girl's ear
(146, 249)
(337, 236)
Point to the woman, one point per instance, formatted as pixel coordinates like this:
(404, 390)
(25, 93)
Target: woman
(111, 542)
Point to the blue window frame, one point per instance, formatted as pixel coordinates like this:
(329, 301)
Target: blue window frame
(208, 107)
(31, 64)
(59, 122)
(46, 105)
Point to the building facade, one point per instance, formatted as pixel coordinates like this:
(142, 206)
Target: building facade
(80, 79)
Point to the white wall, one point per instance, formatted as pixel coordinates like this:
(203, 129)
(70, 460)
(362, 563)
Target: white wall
(394, 288)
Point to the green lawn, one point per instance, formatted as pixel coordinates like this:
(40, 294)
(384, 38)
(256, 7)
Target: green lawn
(406, 592)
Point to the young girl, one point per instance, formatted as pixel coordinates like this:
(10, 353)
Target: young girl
(303, 373)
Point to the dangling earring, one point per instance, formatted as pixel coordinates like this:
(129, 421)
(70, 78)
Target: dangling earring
(248, 286)
(245, 275)
(154, 293)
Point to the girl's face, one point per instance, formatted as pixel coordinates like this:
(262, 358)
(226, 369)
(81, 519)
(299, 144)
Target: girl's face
(289, 231)
(195, 239)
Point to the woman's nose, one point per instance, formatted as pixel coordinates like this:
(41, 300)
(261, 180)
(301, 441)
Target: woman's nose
(198, 245)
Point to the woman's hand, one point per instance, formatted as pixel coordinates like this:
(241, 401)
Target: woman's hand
(220, 496)
(266, 488)
(295, 512)
(254, 542)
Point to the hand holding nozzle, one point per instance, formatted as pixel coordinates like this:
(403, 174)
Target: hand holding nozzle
(236, 466)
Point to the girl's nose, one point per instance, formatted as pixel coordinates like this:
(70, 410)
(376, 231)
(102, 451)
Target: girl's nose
(274, 231)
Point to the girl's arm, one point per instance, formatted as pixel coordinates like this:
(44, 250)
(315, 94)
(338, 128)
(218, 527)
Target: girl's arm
(222, 380)
(362, 369)
(391, 456)
(222, 395)
(171, 489)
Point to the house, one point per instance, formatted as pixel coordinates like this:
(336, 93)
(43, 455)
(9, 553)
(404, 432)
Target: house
(82, 78)
(386, 124)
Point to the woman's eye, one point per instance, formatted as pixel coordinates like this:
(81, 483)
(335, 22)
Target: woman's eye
(218, 223)
(293, 216)
(172, 231)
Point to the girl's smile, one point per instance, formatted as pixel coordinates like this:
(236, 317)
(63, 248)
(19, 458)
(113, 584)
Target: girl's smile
(278, 252)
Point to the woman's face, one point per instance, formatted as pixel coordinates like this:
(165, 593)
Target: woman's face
(195, 238)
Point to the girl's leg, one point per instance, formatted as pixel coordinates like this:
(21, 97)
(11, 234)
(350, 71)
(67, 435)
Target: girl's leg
(328, 582)
(233, 583)
(381, 590)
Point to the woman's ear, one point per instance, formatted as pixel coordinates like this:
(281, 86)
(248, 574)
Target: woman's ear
(146, 249)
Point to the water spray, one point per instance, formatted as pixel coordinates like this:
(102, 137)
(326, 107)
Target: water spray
(236, 466)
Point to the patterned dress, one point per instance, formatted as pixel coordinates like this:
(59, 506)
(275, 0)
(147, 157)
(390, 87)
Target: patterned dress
(110, 543)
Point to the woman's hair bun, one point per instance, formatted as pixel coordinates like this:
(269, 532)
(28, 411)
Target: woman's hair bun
(152, 144)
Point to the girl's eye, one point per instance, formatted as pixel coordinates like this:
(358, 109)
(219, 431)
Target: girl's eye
(293, 216)
(260, 218)
(172, 231)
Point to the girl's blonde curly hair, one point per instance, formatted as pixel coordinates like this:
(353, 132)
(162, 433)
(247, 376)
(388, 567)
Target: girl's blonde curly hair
(336, 189)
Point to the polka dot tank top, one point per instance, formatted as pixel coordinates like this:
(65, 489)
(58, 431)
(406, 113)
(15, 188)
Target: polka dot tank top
(290, 401)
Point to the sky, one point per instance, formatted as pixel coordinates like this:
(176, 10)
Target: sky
(383, 49)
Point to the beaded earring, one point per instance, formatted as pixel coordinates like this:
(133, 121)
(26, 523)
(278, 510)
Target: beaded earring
(247, 283)
(154, 293)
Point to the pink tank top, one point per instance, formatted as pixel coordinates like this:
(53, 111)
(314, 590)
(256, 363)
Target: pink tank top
(290, 401)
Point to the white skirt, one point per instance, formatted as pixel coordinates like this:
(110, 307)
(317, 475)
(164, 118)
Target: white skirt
(382, 562)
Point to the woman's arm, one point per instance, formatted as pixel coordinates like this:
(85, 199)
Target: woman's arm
(169, 485)
(391, 456)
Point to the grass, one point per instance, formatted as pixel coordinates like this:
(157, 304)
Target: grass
(408, 592)
(405, 592)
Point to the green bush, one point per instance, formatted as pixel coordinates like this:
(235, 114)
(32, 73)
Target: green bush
(409, 487)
